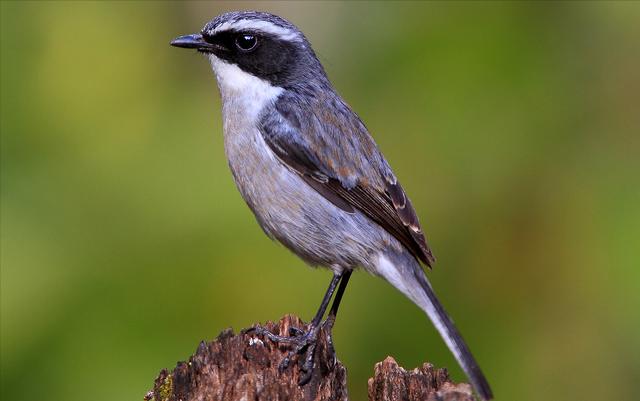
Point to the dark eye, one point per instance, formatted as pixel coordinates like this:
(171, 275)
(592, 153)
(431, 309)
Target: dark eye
(246, 42)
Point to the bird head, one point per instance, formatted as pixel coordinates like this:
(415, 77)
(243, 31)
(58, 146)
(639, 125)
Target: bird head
(248, 45)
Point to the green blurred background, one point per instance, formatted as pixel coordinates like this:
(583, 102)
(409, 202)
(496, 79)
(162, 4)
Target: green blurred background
(515, 128)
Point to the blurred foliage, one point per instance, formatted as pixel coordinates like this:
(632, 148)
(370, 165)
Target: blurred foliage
(513, 126)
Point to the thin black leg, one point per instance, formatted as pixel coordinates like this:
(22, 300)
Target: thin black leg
(305, 342)
(336, 301)
(327, 297)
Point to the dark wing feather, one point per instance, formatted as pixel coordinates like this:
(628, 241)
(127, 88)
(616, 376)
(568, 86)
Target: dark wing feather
(399, 220)
(331, 149)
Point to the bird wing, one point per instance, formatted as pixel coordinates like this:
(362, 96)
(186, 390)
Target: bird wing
(328, 145)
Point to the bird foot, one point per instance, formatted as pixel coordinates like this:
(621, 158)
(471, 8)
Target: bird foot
(304, 346)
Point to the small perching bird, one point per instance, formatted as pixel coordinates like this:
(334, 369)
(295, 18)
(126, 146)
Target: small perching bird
(311, 173)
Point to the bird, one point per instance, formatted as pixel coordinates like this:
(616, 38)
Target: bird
(311, 173)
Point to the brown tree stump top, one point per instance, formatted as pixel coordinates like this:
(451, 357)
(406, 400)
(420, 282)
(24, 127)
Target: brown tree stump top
(391, 382)
(244, 366)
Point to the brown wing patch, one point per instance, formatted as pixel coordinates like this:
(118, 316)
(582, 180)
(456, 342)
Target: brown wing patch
(409, 218)
(328, 193)
(336, 170)
(392, 211)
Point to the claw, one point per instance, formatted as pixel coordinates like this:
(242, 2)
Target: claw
(303, 346)
(304, 379)
(295, 332)
(284, 364)
(307, 366)
(273, 337)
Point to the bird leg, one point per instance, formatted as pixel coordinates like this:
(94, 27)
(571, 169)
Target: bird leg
(307, 366)
(305, 342)
(333, 312)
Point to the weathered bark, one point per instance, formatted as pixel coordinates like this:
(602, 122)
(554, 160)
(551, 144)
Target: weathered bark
(245, 366)
(426, 383)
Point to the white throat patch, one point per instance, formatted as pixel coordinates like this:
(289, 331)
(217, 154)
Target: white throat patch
(242, 89)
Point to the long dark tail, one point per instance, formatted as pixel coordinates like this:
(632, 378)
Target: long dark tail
(408, 277)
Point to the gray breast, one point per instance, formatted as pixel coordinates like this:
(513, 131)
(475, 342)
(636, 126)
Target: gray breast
(292, 212)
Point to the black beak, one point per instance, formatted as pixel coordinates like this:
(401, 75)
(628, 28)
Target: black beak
(194, 41)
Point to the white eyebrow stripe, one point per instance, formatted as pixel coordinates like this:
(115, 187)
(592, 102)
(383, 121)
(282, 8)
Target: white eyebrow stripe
(264, 26)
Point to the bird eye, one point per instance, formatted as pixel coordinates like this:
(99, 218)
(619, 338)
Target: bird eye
(246, 42)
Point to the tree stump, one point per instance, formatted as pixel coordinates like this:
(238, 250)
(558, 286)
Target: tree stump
(245, 366)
